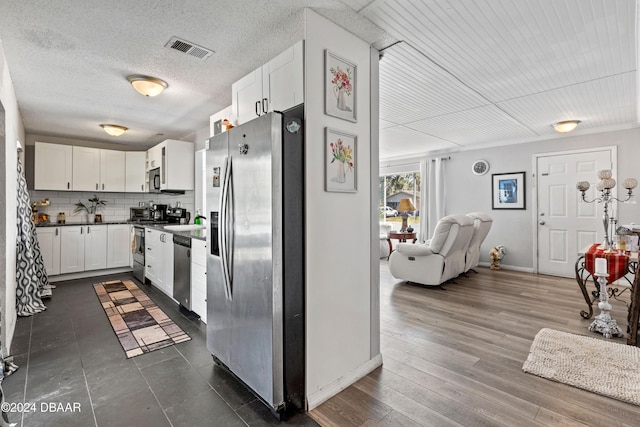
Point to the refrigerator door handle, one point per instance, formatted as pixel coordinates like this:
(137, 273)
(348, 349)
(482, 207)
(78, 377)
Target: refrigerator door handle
(224, 232)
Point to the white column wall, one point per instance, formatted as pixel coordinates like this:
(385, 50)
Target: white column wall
(338, 226)
(14, 130)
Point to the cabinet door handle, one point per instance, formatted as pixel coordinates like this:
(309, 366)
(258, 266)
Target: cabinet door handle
(56, 231)
(81, 230)
(88, 230)
(142, 187)
(96, 185)
(68, 185)
(265, 105)
(103, 186)
(257, 108)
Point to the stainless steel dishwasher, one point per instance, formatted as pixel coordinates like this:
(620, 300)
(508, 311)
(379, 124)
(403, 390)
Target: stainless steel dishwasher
(182, 270)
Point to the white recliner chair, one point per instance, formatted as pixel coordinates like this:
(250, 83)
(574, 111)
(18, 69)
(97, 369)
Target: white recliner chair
(384, 243)
(481, 226)
(439, 259)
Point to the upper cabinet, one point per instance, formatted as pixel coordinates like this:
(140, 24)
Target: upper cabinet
(74, 168)
(53, 167)
(98, 170)
(135, 176)
(86, 169)
(112, 170)
(276, 86)
(176, 162)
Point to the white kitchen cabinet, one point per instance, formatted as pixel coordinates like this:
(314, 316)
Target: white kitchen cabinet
(98, 170)
(199, 278)
(53, 167)
(118, 245)
(95, 247)
(49, 242)
(154, 157)
(86, 169)
(71, 249)
(83, 248)
(135, 171)
(159, 259)
(276, 86)
(176, 162)
(112, 170)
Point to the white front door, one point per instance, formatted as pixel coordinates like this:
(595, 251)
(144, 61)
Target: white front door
(565, 223)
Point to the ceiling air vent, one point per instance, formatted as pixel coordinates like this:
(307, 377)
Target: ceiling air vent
(189, 48)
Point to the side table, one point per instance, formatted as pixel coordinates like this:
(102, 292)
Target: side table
(401, 236)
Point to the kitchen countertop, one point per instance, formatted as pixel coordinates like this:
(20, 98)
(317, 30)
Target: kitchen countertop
(70, 224)
(194, 234)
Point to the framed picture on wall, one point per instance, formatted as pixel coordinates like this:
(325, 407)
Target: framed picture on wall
(340, 87)
(508, 190)
(340, 165)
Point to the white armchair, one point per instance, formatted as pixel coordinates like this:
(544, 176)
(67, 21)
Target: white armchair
(481, 226)
(440, 259)
(384, 244)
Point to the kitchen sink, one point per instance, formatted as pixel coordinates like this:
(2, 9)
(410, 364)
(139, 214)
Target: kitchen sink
(185, 227)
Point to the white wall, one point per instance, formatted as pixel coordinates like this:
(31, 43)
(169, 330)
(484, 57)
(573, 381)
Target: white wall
(338, 226)
(14, 130)
(467, 192)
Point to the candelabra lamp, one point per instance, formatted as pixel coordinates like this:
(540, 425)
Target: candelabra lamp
(405, 206)
(604, 186)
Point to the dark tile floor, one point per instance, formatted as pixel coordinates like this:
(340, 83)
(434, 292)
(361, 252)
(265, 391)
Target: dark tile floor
(69, 355)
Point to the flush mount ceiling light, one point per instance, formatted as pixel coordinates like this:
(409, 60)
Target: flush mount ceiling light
(147, 86)
(114, 130)
(566, 126)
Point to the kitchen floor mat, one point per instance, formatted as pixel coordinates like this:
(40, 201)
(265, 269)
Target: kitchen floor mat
(139, 324)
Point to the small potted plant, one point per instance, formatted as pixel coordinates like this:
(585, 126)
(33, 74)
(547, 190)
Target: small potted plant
(96, 204)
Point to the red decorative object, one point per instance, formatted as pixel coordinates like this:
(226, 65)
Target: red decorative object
(617, 263)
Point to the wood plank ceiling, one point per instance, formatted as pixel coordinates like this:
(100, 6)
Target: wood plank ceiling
(468, 74)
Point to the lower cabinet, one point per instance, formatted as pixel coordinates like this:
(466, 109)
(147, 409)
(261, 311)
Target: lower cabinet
(78, 248)
(159, 259)
(49, 241)
(83, 248)
(199, 278)
(119, 251)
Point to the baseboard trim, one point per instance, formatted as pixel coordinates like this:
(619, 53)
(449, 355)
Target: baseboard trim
(90, 273)
(316, 398)
(509, 267)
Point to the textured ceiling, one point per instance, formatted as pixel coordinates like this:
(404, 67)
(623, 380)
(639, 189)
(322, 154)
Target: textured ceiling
(69, 60)
(464, 73)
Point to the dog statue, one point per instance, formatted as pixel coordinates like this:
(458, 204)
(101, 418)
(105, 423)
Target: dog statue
(496, 254)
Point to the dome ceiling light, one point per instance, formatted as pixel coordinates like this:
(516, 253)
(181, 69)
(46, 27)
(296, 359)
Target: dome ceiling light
(114, 130)
(147, 86)
(566, 126)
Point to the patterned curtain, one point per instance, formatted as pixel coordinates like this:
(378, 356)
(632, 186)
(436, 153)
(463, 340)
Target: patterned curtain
(32, 283)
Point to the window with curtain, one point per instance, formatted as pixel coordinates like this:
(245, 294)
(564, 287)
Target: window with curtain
(393, 188)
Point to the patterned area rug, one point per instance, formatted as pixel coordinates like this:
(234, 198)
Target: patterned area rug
(139, 324)
(595, 365)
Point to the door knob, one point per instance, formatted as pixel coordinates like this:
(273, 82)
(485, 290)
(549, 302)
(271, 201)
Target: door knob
(542, 223)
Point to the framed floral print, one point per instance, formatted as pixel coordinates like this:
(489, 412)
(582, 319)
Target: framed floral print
(508, 190)
(340, 161)
(340, 86)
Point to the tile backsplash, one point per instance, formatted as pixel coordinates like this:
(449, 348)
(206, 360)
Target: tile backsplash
(118, 204)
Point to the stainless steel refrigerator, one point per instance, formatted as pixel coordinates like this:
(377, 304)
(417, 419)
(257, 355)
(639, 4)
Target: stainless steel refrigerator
(255, 262)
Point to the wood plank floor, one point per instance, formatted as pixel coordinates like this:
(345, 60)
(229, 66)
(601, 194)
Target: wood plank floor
(454, 357)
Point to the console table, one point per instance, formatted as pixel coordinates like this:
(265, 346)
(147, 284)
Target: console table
(618, 265)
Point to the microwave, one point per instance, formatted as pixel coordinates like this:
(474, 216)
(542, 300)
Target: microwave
(154, 180)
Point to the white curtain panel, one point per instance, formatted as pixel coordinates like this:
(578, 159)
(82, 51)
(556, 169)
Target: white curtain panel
(436, 192)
